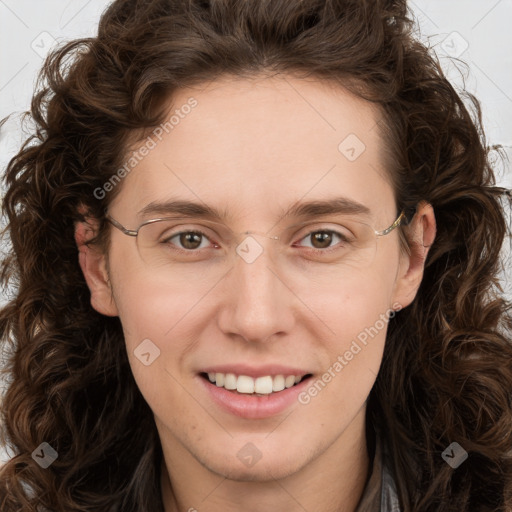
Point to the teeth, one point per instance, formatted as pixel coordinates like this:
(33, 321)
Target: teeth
(289, 381)
(278, 383)
(230, 381)
(261, 385)
(245, 384)
(219, 380)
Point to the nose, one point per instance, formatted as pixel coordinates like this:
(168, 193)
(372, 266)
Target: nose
(259, 303)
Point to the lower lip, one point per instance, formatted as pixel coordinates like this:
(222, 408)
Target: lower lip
(253, 406)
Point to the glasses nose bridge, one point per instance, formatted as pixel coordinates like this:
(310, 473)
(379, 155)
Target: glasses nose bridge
(258, 233)
(249, 248)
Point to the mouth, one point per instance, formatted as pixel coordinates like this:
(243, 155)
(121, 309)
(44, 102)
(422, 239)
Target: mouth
(265, 385)
(254, 392)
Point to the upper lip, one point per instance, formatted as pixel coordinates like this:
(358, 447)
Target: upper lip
(256, 371)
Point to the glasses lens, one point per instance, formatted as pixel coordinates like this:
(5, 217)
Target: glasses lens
(347, 244)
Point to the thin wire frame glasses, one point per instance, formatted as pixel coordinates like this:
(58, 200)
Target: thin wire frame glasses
(356, 248)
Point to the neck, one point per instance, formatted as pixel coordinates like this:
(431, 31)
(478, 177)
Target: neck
(333, 481)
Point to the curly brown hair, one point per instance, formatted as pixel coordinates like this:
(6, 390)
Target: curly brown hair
(446, 373)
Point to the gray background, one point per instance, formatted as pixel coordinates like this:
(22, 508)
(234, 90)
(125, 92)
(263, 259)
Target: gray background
(476, 31)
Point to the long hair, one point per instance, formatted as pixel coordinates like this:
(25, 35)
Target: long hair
(446, 374)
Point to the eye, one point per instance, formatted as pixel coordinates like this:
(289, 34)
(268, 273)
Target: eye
(322, 239)
(187, 240)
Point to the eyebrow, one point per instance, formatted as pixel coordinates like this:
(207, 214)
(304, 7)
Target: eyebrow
(308, 209)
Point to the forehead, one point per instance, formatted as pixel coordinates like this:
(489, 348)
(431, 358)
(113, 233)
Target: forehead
(250, 145)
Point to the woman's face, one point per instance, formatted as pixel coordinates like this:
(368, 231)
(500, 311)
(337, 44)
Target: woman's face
(249, 305)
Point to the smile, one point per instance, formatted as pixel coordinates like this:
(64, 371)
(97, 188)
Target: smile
(264, 385)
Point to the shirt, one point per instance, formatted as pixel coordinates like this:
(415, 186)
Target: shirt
(379, 494)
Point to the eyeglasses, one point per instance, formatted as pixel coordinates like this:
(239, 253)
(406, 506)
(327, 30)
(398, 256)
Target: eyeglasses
(159, 240)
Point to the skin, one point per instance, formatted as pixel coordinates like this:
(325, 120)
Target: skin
(255, 146)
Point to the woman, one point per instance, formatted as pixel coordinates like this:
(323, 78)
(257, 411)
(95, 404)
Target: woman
(285, 295)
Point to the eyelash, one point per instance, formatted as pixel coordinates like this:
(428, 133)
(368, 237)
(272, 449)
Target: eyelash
(314, 250)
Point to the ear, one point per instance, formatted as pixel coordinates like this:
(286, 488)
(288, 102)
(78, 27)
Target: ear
(93, 264)
(421, 234)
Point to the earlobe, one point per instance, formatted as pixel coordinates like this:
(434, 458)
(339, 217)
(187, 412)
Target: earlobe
(93, 264)
(420, 234)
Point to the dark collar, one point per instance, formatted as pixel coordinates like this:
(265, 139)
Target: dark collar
(379, 494)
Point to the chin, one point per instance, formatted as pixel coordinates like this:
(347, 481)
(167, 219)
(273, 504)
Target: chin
(262, 474)
(268, 468)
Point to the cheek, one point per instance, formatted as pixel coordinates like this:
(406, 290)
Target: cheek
(357, 319)
(355, 315)
(147, 306)
(159, 329)
(361, 324)
(353, 301)
(160, 324)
